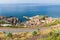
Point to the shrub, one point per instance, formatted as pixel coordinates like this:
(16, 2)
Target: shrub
(34, 33)
(9, 34)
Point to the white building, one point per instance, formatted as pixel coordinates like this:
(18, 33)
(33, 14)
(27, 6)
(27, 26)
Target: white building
(6, 25)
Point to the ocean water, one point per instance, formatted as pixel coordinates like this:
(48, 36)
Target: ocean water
(20, 10)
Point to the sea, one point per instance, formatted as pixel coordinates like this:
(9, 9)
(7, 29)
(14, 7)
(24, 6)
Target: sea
(29, 10)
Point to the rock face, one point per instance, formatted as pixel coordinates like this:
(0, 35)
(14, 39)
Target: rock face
(11, 20)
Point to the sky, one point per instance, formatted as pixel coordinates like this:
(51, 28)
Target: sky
(30, 1)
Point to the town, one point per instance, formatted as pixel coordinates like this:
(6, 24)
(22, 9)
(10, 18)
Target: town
(31, 22)
(39, 27)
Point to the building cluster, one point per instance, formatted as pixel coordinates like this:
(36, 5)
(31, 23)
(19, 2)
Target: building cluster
(32, 22)
(38, 21)
(9, 20)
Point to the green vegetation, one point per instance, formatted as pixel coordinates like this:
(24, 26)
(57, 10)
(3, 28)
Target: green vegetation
(53, 35)
(2, 22)
(9, 34)
(17, 36)
(34, 33)
(43, 17)
(18, 26)
(53, 23)
(21, 25)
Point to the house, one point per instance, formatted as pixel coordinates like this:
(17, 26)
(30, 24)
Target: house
(13, 20)
(9, 20)
(2, 17)
(49, 20)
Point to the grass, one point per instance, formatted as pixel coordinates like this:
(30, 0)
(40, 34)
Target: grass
(2, 22)
(18, 26)
(53, 35)
(17, 36)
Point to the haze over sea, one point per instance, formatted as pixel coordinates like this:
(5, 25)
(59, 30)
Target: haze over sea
(20, 10)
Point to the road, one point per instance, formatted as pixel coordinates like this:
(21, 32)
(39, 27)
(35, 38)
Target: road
(13, 30)
(16, 30)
